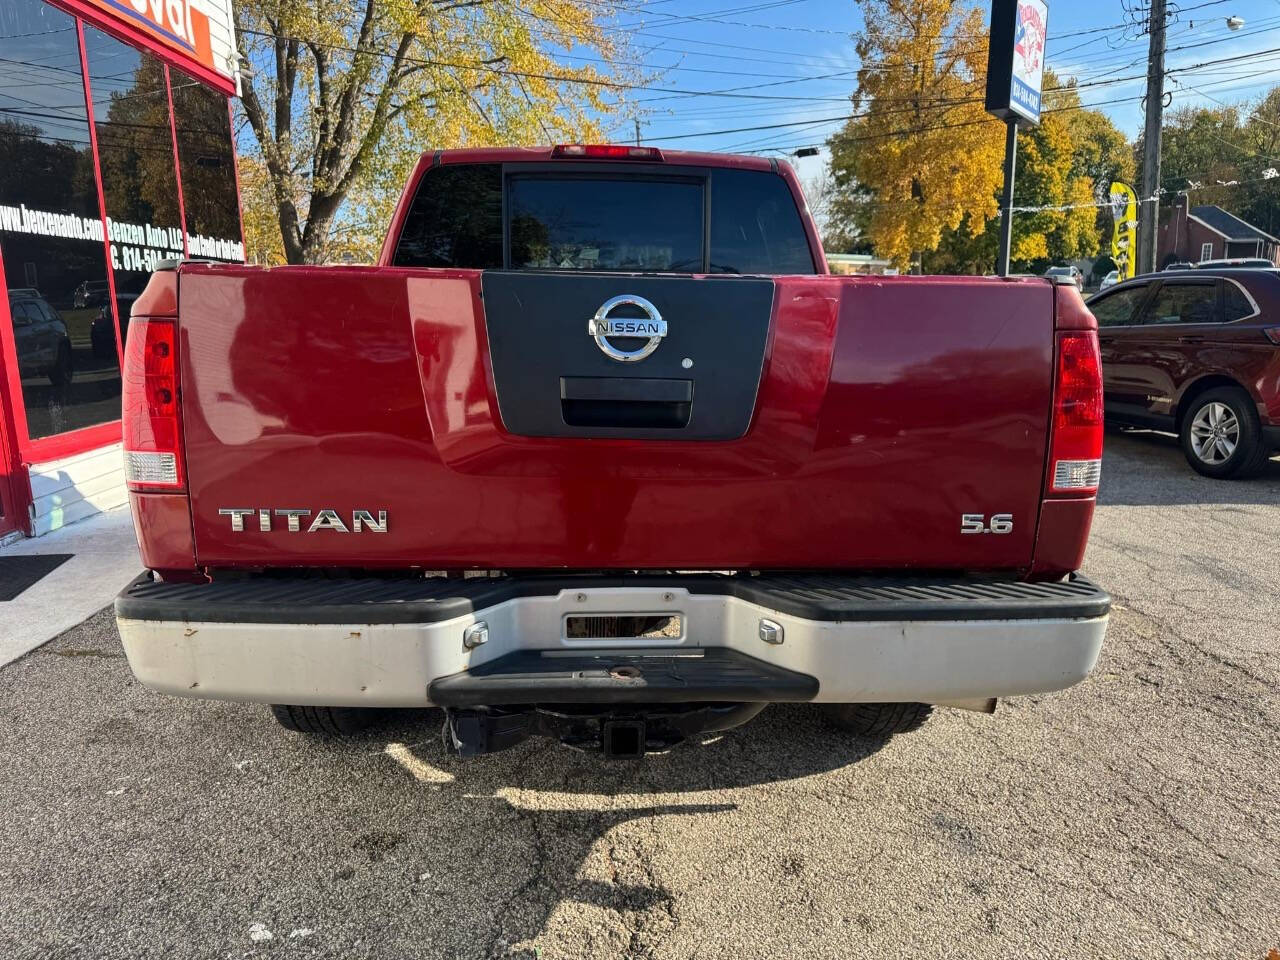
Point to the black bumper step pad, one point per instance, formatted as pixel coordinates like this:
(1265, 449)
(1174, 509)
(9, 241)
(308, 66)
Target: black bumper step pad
(812, 596)
(684, 676)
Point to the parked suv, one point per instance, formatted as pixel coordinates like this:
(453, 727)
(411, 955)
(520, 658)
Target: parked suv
(43, 345)
(1197, 354)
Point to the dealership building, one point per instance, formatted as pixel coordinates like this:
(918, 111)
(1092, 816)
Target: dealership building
(116, 152)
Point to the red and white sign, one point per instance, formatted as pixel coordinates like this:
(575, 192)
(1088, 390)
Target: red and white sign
(197, 31)
(1029, 34)
(1028, 43)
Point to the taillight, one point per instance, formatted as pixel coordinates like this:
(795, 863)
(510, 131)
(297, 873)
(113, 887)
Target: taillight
(606, 151)
(1075, 457)
(149, 415)
(1273, 334)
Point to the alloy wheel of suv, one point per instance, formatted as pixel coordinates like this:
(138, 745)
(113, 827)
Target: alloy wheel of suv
(1215, 433)
(1221, 435)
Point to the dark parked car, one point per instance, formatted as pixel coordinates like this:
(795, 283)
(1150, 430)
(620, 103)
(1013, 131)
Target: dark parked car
(43, 346)
(102, 331)
(1197, 353)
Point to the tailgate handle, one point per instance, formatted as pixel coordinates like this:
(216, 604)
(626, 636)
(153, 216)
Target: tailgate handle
(626, 402)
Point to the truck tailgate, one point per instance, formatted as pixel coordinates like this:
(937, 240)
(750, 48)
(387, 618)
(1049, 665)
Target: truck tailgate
(794, 422)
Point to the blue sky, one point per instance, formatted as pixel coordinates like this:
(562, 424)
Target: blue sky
(801, 50)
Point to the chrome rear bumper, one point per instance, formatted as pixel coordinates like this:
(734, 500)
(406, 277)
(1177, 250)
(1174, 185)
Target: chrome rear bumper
(842, 640)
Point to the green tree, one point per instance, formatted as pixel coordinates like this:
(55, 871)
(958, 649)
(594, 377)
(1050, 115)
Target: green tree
(136, 149)
(1064, 169)
(1261, 137)
(919, 155)
(1200, 146)
(1228, 155)
(1053, 181)
(1102, 153)
(341, 97)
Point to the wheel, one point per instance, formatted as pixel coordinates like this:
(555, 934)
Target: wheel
(1221, 436)
(60, 372)
(877, 719)
(332, 721)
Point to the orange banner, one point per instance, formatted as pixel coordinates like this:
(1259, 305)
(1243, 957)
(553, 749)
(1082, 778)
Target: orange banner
(198, 30)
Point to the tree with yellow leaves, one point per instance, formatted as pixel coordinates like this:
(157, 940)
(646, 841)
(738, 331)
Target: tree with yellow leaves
(919, 154)
(341, 96)
(1064, 172)
(1052, 179)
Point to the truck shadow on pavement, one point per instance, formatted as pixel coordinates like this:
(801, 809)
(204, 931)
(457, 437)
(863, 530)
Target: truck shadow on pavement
(1146, 468)
(236, 838)
(537, 816)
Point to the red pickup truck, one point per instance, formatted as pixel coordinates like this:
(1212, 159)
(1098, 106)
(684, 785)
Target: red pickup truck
(600, 451)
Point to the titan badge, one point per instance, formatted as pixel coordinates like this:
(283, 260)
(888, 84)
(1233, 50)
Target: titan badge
(361, 520)
(652, 326)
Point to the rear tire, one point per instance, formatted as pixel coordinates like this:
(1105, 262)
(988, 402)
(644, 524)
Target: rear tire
(61, 373)
(877, 719)
(326, 721)
(1228, 414)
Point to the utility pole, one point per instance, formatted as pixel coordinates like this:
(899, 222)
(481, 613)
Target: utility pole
(1006, 197)
(1148, 200)
(637, 120)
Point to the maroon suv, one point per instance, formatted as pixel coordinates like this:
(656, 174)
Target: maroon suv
(1198, 354)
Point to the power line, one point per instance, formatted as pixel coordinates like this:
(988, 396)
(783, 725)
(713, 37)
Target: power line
(958, 101)
(749, 110)
(606, 83)
(870, 137)
(503, 71)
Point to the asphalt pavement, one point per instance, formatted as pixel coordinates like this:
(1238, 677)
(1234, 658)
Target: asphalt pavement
(1137, 815)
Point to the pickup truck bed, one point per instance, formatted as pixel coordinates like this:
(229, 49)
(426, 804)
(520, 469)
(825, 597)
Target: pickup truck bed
(558, 477)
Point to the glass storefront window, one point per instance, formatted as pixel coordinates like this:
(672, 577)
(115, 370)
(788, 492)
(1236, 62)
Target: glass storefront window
(50, 231)
(207, 166)
(66, 323)
(135, 155)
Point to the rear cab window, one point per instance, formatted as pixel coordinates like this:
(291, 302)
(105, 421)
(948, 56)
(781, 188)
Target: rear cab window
(568, 216)
(455, 219)
(633, 224)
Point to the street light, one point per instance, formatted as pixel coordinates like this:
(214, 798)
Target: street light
(1235, 23)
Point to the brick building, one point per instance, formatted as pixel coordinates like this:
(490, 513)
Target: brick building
(1208, 232)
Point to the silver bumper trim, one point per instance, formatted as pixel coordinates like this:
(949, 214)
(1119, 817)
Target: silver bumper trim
(387, 665)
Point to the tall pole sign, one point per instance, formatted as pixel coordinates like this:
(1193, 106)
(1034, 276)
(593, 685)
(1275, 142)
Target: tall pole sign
(1015, 71)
